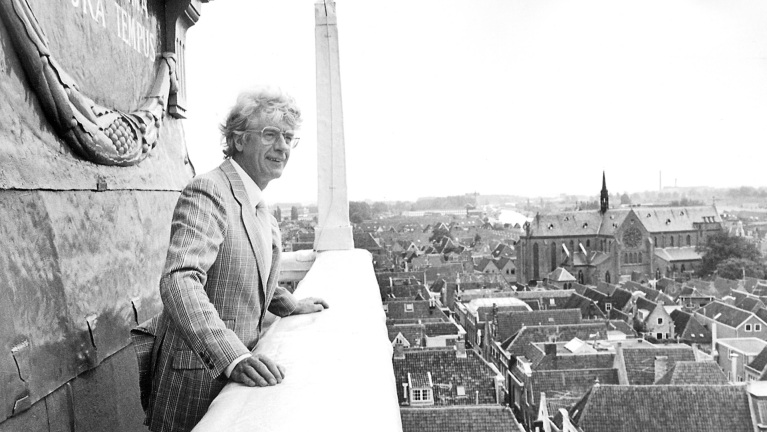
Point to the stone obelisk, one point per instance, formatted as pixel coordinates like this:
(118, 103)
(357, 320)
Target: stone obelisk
(333, 232)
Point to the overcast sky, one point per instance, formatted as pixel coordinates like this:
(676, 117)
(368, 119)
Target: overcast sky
(531, 98)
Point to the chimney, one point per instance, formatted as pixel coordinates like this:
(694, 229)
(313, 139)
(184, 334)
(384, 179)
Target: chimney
(450, 296)
(399, 351)
(734, 367)
(405, 395)
(714, 350)
(476, 397)
(460, 346)
(550, 349)
(661, 367)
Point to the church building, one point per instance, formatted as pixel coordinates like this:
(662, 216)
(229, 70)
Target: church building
(605, 244)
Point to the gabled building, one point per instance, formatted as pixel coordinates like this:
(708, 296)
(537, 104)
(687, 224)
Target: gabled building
(653, 320)
(733, 355)
(731, 322)
(688, 330)
(605, 244)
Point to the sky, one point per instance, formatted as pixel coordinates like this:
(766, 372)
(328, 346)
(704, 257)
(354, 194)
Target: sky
(531, 98)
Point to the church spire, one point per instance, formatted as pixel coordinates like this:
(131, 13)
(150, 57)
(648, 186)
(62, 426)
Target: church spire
(604, 197)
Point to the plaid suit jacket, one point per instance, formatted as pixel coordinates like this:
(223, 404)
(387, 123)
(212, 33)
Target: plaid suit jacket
(214, 296)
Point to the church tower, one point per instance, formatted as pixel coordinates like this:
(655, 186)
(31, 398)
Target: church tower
(604, 197)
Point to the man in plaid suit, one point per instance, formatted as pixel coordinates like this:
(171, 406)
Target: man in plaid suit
(221, 271)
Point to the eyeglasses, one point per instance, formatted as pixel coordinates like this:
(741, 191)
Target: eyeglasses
(270, 134)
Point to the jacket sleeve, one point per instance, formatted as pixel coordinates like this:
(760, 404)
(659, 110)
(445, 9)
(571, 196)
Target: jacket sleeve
(197, 232)
(283, 302)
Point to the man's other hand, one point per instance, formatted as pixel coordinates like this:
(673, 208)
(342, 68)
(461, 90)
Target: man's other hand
(257, 370)
(310, 305)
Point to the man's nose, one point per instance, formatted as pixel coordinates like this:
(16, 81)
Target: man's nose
(281, 143)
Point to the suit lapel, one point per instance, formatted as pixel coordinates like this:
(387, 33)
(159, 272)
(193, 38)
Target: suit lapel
(252, 228)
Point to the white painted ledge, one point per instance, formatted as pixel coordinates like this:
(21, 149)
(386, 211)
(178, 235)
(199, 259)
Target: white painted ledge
(339, 371)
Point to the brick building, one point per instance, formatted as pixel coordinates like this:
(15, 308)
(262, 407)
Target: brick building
(604, 244)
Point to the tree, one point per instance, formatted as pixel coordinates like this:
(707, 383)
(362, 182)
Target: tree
(380, 208)
(294, 213)
(359, 212)
(721, 247)
(625, 199)
(737, 268)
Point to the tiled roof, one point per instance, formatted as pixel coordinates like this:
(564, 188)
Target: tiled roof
(447, 373)
(563, 333)
(413, 332)
(397, 312)
(595, 295)
(620, 298)
(587, 306)
(573, 223)
(592, 360)
(365, 241)
(477, 418)
(724, 313)
(689, 329)
(672, 219)
(569, 384)
(700, 408)
(674, 254)
(694, 373)
(510, 323)
(640, 361)
(750, 304)
(759, 363)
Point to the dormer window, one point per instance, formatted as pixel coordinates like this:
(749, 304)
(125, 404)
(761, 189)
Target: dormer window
(585, 225)
(460, 390)
(668, 221)
(386, 307)
(422, 396)
(551, 226)
(408, 307)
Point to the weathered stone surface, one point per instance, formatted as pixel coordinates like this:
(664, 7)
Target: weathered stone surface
(74, 264)
(33, 156)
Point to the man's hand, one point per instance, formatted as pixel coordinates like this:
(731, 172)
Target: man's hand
(310, 305)
(257, 370)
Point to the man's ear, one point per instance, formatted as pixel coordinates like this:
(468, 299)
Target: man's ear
(239, 143)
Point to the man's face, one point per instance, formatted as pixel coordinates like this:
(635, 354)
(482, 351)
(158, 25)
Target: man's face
(263, 163)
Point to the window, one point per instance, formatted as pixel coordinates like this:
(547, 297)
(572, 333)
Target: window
(408, 307)
(660, 320)
(757, 327)
(748, 327)
(608, 307)
(460, 390)
(421, 395)
(640, 257)
(672, 241)
(659, 336)
(689, 240)
(588, 243)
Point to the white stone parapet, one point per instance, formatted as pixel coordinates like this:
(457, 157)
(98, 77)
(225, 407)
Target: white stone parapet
(339, 373)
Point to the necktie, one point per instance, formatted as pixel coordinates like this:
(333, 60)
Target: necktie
(265, 233)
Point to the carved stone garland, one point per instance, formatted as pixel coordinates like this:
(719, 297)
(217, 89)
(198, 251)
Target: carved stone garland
(101, 135)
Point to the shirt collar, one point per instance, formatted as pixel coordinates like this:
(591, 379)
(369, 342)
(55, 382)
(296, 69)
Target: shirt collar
(255, 195)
